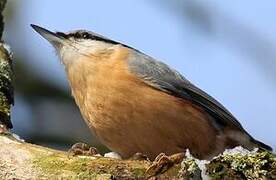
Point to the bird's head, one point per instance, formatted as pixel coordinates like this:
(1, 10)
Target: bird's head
(71, 45)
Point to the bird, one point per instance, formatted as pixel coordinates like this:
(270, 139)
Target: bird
(135, 103)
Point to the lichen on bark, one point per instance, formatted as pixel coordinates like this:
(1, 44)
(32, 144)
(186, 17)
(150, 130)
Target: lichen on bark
(6, 88)
(20, 160)
(190, 169)
(2, 6)
(243, 164)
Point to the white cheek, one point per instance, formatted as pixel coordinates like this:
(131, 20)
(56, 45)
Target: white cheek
(68, 55)
(71, 52)
(91, 46)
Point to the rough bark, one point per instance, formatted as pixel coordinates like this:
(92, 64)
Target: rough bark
(20, 160)
(6, 89)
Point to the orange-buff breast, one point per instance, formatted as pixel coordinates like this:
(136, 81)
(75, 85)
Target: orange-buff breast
(129, 116)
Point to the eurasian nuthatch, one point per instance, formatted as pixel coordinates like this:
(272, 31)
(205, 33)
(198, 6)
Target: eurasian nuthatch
(134, 103)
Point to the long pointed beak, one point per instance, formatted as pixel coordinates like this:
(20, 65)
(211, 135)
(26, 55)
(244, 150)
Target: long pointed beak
(55, 39)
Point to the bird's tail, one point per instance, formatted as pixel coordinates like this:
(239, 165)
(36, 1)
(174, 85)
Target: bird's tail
(262, 145)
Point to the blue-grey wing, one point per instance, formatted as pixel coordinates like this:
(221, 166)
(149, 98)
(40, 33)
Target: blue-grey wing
(162, 77)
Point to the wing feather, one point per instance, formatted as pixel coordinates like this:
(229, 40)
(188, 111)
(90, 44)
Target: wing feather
(162, 77)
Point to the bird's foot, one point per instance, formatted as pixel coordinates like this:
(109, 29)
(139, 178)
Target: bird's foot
(139, 157)
(163, 162)
(82, 149)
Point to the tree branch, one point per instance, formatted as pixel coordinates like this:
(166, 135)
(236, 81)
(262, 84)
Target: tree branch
(20, 160)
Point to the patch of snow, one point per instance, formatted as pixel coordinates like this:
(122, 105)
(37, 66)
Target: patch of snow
(8, 48)
(200, 163)
(113, 155)
(202, 166)
(17, 137)
(239, 150)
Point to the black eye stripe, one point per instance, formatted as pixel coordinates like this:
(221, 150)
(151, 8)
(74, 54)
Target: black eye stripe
(87, 35)
(62, 34)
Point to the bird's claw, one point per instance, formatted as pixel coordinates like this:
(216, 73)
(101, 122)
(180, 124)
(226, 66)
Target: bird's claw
(163, 162)
(82, 149)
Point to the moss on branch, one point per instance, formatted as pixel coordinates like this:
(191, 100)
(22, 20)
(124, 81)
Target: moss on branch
(22, 160)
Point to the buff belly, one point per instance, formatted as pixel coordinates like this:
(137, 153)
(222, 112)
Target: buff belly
(129, 116)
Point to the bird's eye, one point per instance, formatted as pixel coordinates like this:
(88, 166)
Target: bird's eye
(85, 35)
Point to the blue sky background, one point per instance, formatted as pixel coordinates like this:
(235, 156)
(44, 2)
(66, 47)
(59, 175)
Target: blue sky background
(226, 48)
